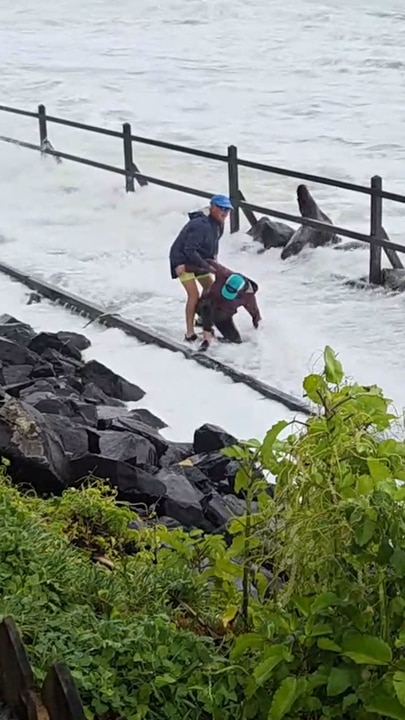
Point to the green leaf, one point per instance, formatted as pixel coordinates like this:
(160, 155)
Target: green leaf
(399, 686)
(398, 561)
(270, 438)
(242, 480)
(165, 679)
(333, 368)
(386, 705)
(366, 650)
(339, 680)
(264, 669)
(324, 601)
(315, 388)
(283, 699)
(364, 485)
(326, 644)
(378, 470)
(365, 531)
(349, 700)
(248, 641)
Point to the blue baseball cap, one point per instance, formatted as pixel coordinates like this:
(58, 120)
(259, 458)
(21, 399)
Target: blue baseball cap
(221, 201)
(234, 284)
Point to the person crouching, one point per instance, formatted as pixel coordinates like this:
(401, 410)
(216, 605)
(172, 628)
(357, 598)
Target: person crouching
(221, 301)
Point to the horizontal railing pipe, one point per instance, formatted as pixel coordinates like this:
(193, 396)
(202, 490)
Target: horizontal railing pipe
(353, 234)
(179, 148)
(84, 126)
(17, 111)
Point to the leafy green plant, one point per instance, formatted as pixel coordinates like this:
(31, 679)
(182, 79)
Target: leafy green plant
(298, 612)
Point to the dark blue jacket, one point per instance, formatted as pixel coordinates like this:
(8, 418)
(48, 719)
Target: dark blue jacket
(196, 243)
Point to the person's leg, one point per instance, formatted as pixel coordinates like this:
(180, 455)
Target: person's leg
(228, 329)
(191, 288)
(205, 282)
(206, 314)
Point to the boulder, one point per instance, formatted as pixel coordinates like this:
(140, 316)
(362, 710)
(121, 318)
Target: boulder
(175, 453)
(147, 417)
(92, 393)
(62, 365)
(270, 233)
(211, 437)
(11, 353)
(181, 500)
(134, 484)
(112, 384)
(129, 447)
(42, 369)
(15, 330)
(126, 423)
(220, 509)
(46, 340)
(14, 374)
(74, 437)
(213, 465)
(69, 406)
(73, 339)
(15, 389)
(36, 452)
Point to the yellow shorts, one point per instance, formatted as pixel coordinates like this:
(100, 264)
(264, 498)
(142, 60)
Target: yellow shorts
(185, 277)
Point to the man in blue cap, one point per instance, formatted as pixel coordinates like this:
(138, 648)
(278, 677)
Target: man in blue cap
(195, 245)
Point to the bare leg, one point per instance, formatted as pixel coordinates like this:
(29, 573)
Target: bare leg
(193, 295)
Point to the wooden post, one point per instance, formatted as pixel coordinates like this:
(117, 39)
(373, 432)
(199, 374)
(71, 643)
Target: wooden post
(43, 134)
(376, 231)
(233, 181)
(128, 159)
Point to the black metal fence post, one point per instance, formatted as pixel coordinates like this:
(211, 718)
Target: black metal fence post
(376, 231)
(128, 159)
(233, 180)
(43, 133)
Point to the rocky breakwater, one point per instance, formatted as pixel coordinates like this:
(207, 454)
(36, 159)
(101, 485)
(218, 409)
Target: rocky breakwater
(63, 419)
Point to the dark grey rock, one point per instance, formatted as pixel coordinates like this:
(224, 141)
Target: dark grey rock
(94, 394)
(211, 437)
(15, 330)
(134, 484)
(14, 374)
(129, 447)
(270, 233)
(51, 341)
(11, 353)
(62, 365)
(73, 339)
(147, 417)
(125, 423)
(175, 453)
(42, 369)
(73, 437)
(36, 452)
(220, 509)
(181, 500)
(109, 382)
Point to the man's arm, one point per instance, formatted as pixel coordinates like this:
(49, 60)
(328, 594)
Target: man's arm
(195, 239)
(250, 304)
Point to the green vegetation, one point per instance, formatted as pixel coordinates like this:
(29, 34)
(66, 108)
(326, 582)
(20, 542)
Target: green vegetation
(300, 614)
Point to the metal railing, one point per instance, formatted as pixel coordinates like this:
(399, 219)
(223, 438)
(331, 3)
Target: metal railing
(377, 238)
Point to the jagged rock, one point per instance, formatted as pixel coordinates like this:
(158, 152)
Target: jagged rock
(169, 522)
(129, 447)
(175, 453)
(213, 465)
(14, 374)
(15, 330)
(13, 354)
(270, 233)
(92, 393)
(181, 500)
(126, 423)
(36, 452)
(112, 384)
(42, 369)
(62, 365)
(46, 340)
(73, 339)
(109, 412)
(68, 406)
(393, 279)
(134, 484)
(147, 417)
(15, 389)
(222, 508)
(211, 437)
(56, 386)
(74, 437)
